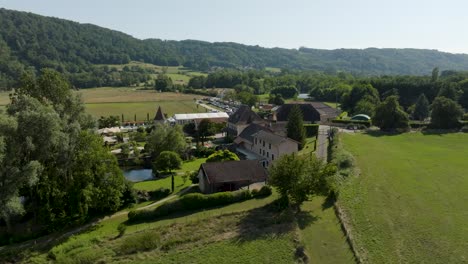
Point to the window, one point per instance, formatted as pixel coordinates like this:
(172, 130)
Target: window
(255, 141)
(264, 143)
(268, 154)
(269, 146)
(272, 156)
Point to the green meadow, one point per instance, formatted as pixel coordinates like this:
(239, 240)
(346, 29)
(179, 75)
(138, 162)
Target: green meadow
(408, 203)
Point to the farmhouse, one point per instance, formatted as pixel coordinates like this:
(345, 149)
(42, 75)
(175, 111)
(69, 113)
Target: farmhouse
(230, 175)
(182, 119)
(241, 119)
(312, 112)
(271, 146)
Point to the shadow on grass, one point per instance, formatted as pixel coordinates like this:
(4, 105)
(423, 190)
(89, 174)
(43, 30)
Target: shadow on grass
(438, 132)
(179, 212)
(265, 222)
(329, 202)
(379, 133)
(426, 132)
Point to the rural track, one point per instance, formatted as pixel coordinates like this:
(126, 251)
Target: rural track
(46, 240)
(322, 143)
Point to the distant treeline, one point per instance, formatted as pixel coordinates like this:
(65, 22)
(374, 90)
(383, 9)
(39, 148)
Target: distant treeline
(30, 42)
(355, 93)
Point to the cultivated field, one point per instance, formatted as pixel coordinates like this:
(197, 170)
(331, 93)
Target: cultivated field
(131, 101)
(409, 202)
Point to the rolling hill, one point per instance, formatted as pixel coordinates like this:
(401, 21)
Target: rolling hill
(30, 42)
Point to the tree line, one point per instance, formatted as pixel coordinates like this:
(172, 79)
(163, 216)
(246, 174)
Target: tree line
(30, 42)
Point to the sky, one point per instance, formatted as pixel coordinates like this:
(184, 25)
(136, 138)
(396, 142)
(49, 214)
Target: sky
(322, 24)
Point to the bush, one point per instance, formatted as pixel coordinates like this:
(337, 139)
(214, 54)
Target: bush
(139, 242)
(465, 117)
(311, 130)
(352, 122)
(465, 129)
(194, 177)
(344, 160)
(159, 193)
(264, 191)
(194, 201)
(121, 228)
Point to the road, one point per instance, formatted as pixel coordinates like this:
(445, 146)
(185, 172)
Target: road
(322, 143)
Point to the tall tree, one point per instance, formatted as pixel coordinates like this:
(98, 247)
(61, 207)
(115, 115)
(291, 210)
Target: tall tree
(166, 138)
(446, 113)
(421, 109)
(206, 128)
(163, 83)
(295, 126)
(47, 139)
(297, 178)
(168, 161)
(435, 74)
(390, 116)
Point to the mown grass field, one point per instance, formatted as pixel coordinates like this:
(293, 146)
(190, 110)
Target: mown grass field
(409, 202)
(131, 101)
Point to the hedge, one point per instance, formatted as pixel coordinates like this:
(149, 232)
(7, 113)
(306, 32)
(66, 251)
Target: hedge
(311, 130)
(352, 122)
(194, 201)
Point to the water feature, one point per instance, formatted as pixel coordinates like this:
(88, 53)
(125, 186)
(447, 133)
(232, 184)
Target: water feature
(138, 175)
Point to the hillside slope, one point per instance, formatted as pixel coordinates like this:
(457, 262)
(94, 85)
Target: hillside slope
(30, 40)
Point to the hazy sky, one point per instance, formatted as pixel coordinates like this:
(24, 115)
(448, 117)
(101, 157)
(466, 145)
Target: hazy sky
(326, 24)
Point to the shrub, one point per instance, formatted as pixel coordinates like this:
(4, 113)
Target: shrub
(121, 228)
(344, 160)
(465, 129)
(352, 122)
(194, 177)
(465, 117)
(264, 191)
(311, 130)
(139, 242)
(194, 201)
(159, 193)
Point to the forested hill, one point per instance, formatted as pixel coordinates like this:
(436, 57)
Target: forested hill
(30, 41)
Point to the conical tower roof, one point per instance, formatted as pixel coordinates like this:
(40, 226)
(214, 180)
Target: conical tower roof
(159, 115)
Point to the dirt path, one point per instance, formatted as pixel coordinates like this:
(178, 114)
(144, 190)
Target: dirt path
(46, 240)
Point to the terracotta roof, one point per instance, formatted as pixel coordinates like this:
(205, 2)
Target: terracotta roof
(159, 115)
(244, 115)
(234, 171)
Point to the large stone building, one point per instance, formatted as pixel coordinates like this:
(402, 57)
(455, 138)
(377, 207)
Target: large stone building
(242, 118)
(271, 146)
(312, 112)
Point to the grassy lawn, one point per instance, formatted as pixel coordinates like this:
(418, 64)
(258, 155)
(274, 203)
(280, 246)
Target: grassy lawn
(129, 101)
(192, 165)
(409, 203)
(321, 233)
(309, 147)
(141, 109)
(152, 185)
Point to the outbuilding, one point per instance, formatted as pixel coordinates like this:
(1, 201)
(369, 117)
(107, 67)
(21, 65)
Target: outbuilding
(230, 175)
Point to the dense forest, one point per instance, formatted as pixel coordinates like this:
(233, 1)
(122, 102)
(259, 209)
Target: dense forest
(29, 42)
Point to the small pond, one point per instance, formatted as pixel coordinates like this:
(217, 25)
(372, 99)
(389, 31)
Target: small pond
(138, 175)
